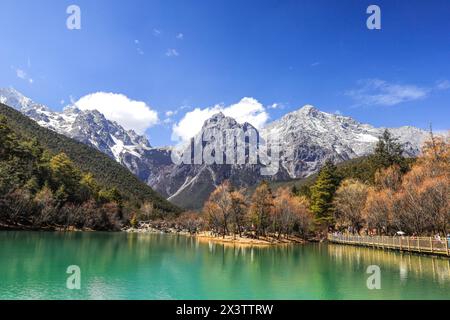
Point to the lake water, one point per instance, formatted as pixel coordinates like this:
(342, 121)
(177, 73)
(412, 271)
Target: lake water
(149, 266)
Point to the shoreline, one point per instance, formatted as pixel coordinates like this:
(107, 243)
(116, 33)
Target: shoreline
(202, 236)
(234, 240)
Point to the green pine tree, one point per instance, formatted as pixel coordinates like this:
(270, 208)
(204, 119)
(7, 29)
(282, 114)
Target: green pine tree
(322, 193)
(388, 152)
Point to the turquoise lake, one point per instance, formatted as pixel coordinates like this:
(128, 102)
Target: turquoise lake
(33, 265)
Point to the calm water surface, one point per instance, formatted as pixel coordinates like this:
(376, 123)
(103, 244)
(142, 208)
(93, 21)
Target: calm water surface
(148, 266)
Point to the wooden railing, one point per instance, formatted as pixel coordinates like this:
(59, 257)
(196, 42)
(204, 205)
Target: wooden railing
(412, 244)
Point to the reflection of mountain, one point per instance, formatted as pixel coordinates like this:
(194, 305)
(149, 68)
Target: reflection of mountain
(308, 137)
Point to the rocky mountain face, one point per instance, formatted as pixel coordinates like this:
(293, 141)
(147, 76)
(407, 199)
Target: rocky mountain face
(307, 138)
(190, 183)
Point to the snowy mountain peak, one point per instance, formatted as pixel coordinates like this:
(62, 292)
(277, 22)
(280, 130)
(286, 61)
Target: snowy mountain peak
(309, 137)
(87, 126)
(219, 120)
(15, 99)
(308, 109)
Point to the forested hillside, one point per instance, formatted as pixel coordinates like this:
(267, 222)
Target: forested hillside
(34, 160)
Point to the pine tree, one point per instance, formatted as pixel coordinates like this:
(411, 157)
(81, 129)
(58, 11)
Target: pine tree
(294, 190)
(322, 193)
(388, 152)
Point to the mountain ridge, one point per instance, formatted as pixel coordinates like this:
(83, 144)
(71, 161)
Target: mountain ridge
(307, 135)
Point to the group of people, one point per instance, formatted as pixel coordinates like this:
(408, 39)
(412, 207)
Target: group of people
(437, 237)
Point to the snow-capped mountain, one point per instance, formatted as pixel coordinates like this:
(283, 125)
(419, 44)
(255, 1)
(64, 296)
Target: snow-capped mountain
(87, 126)
(308, 137)
(190, 184)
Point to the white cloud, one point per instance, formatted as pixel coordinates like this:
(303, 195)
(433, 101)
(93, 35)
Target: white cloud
(21, 74)
(443, 85)
(172, 53)
(247, 110)
(380, 92)
(180, 36)
(170, 113)
(156, 32)
(276, 106)
(130, 114)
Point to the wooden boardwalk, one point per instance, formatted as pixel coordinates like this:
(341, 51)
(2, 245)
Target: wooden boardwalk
(412, 244)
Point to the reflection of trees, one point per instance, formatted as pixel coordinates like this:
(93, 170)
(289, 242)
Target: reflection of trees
(408, 264)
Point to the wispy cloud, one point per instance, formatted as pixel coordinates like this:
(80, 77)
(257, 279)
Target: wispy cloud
(180, 36)
(315, 64)
(382, 93)
(276, 105)
(172, 53)
(138, 47)
(22, 74)
(157, 32)
(443, 85)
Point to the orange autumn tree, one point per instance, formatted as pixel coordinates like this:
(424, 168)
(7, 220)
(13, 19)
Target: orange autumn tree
(289, 213)
(218, 209)
(423, 204)
(349, 202)
(419, 201)
(261, 208)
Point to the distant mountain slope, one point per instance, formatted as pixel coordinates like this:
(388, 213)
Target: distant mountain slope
(107, 171)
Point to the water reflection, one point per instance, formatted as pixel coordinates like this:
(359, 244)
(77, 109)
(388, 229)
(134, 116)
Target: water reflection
(438, 268)
(152, 266)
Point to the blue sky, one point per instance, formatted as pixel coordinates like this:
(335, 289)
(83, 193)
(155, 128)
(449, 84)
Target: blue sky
(175, 56)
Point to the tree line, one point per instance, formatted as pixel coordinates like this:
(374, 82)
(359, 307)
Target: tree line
(398, 194)
(107, 172)
(383, 193)
(415, 201)
(39, 189)
(232, 212)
